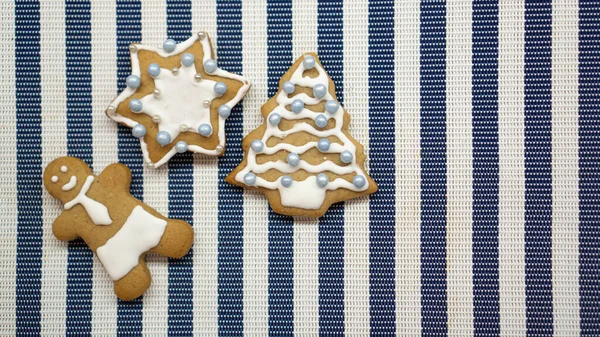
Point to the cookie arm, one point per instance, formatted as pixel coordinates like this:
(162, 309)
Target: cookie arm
(63, 227)
(115, 177)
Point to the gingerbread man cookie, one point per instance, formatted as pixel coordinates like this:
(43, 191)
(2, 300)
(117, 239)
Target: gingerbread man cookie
(119, 228)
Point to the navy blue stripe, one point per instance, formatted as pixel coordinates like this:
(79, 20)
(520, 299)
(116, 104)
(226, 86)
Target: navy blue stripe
(281, 230)
(129, 30)
(331, 225)
(434, 315)
(181, 197)
(231, 200)
(382, 157)
(486, 296)
(79, 144)
(589, 167)
(29, 166)
(538, 167)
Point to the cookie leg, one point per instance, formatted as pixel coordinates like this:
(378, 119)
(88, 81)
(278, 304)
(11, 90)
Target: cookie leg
(176, 240)
(134, 284)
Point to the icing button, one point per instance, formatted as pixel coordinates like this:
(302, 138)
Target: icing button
(323, 144)
(274, 119)
(331, 106)
(135, 105)
(288, 87)
(54, 179)
(297, 106)
(187, 59)
(205, 130)
(321, 120)
(181, 146)
(346, 157)
(293, 159)
(169, 45)
(224, 111)
(257, 145)
(132, 81)
(220, 88)
(322, 180)
(359, 181)
(309, 62)
(138, 131)
(156, 119)
(286, 181)
(319, 91)
(163, 138)
(250, 178)
(154, 69)
(210, 66)
(198, 78)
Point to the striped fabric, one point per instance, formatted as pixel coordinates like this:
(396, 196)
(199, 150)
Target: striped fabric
(481, 120)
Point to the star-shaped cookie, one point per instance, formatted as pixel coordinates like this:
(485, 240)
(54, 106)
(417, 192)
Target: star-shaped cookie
(177, 99)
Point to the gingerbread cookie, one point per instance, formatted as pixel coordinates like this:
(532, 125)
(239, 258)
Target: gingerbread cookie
(177, 99)
(303, 158)
(119, 228)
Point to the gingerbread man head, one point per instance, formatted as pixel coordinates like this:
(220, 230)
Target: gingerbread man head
(65, 176)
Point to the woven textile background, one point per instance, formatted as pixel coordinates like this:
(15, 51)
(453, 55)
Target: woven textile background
(481, 120)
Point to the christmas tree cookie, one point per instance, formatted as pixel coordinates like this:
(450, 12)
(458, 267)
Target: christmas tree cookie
(177, 99)
(303, 158)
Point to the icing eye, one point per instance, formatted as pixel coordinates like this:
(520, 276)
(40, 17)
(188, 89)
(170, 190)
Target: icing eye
(286, 181)
(309, 62)
(224, 111)
(274, 119)
(319, 91)
(181, 146)
(163, 138)
(322, 180)
(257, 146)
(138, 131)
(331, 106)
(323, 145)
(359, 181)
(250, 178)
(346, 157)
(54, 179)
(169, 45)
(133, 81)
(288, 87)
(210, 66)
(63, 169)
(135, 105)
(293, 159)
(321, 121)
(154, 69)
(297, 106)
(187, 59)
(205, 130)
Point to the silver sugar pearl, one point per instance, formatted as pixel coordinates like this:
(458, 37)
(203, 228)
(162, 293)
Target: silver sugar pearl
(156, 93)
(156, 119)
(175, 71)
(201, 35)
(150, 165)
(183, 128)
(206, 104)
(133, 48)
(110, 110)
(219, 149)
(197, 77)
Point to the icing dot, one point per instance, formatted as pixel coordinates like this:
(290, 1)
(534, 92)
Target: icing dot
(64, 169)
(210, 66)
(135, 105)
(187, 59)
(250, 178)
(54, 179)
(331, 106)
(286, 181)
(163, 138)
(346, 157)
(274, 118)
(257, 145)
(224, 111)
(319, 91)
(220, 88)
(288, 87)
(322, 180)
(133, 81)
(321, 120)
(293, 159)
(181, 146)
(138, 131)
(359, 181)
(309, 62)
(323, 144)
(169, 45)
(297, 106)
(205, 130)
(154, 69)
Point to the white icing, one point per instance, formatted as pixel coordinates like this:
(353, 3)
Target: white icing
(69, 186)
(96, 211)
(141, 232)
(135, 70)
(63, 169)
(304, 194)
(54, 179)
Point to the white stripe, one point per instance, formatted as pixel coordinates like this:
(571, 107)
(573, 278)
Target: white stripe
(156, 186)
(206, 216)
(105, 144)
(54, 143)
(408, 168)
(511, 229)
(8, 167)
(356, 211)
(256, 211)
(565, 189)
(459, 151)
(306, 231)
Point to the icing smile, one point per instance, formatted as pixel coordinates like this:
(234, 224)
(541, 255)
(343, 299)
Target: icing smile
(69, 186)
